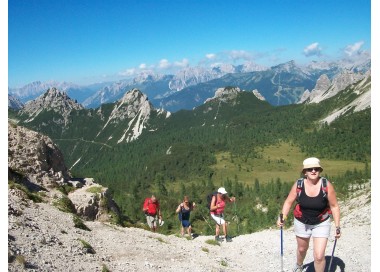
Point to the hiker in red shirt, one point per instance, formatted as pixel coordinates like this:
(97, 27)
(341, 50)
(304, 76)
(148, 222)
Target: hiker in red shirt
(152, 212)
(217, 206)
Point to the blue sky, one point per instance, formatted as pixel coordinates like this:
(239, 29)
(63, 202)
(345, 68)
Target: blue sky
(91, 41)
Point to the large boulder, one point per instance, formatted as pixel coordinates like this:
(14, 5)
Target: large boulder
(94, 202)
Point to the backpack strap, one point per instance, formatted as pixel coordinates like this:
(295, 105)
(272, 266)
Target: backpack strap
(299, 188)
(300, 184)
(324, 187)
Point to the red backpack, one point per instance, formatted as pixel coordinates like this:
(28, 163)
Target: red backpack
(297, 210)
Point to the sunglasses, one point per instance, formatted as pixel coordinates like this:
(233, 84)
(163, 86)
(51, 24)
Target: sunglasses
(316, 169)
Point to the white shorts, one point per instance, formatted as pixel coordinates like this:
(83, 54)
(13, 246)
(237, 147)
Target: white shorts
(151, 221)
(219, 219)
(321, 230)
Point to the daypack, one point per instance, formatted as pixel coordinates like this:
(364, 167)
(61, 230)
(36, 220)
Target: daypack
(209, 199)
(324, 190)
(151, 210)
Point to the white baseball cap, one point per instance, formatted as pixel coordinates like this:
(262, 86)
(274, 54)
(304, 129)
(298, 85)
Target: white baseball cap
(222, 191)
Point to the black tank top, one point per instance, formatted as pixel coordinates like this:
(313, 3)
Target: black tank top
(312, 207)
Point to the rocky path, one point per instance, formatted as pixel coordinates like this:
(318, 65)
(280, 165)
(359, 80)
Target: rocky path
(42, 238)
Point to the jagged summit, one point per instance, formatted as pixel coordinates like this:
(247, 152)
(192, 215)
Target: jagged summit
(135, 108)
(325, 88)
(54, 100)
(133, 102)
(225, 94)
(229, 94)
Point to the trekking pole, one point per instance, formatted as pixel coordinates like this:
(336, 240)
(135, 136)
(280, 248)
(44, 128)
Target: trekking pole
(282, 249)
(237, 218)
(207, 222)
(332, 254)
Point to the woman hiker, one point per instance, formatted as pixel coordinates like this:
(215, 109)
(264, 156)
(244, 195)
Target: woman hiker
(184, 209)
(316, 199)
(217, 206)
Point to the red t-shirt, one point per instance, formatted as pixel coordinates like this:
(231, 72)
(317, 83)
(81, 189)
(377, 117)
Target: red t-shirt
(152, 207)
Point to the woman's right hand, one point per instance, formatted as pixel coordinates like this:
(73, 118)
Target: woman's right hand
(279, 223)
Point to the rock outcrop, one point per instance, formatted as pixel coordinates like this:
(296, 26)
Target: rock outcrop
(37, 163)
(35, 156)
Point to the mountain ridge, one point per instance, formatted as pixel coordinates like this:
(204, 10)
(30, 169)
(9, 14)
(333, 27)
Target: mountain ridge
(160, 87)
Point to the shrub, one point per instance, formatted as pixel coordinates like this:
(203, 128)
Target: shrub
(78, 223)
(87, 247)
(64, 204)
(212, 242)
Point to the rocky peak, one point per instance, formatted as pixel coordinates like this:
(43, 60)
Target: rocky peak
(54, 100)
(146, 76)
(324, 90)
(225, 94)
(288, 67)
(192, 76)
(322, 85)
(229, 94)
(133, 103)
(135, 107)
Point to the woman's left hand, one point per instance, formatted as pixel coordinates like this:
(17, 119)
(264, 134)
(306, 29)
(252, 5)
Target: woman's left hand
(338, 232)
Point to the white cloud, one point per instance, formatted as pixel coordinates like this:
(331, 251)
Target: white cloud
(236, 55)
(164, 64)
(226, 57)
(128, 72)
(182, 64)
(210, 56)
(353, 49)
(312, 50)
(142, 66)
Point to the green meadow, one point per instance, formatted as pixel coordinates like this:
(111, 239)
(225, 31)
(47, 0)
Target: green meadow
(282, 161)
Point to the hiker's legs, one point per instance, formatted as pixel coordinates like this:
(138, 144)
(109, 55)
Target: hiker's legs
(319, 253)
(154, 223)
(219, 221)
(182, 230)
(189, 230)
(302, 247)
(151, 221)
(320, 233)
(225, 229)
(217, 230)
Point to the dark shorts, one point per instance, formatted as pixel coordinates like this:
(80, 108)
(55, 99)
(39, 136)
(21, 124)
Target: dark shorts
(186, 223)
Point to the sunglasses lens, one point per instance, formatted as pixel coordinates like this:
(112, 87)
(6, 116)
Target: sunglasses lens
(316, 169)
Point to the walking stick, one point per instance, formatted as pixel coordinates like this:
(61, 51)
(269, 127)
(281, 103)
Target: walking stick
(207, 222)
(332, 254)
(236, 218)
(282, 249)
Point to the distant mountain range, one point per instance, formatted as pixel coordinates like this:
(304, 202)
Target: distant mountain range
(283, 84)
(54, 112)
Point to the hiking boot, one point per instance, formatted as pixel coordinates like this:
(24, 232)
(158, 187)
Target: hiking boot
(218, 239)
(298, 268)
(228, 239)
